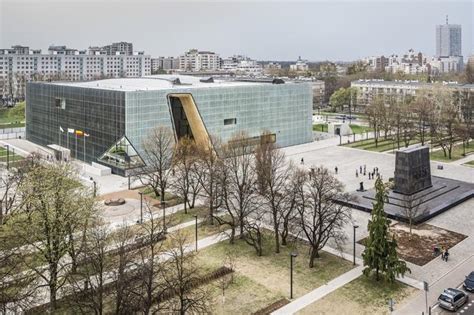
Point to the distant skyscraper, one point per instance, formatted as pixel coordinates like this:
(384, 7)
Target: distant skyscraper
(448, 39)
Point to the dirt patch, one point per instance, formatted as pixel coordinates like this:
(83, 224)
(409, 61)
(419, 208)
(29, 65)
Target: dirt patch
(417, 248)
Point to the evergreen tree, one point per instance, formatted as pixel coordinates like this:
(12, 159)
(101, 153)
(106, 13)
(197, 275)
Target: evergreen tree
(380, 253)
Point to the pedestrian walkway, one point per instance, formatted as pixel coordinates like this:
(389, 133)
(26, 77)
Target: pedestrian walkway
(320, 292)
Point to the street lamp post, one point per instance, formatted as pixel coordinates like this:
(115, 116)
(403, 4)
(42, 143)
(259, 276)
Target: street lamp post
(141, 206)
(355, 226)
(8, 156)
(196, 230)
(95, 188)
(292, 256)
(163, 205)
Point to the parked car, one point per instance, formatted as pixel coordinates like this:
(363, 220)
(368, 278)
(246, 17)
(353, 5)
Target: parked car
(469, 282)
(452, 299)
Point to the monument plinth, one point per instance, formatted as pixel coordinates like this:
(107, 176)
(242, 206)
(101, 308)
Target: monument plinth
(415, 187)
(412, 170)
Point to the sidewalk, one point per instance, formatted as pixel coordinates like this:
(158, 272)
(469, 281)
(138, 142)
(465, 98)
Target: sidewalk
(449, 280)
(320, 292)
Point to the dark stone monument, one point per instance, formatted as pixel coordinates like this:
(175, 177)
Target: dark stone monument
(412, 170)
(413, 184)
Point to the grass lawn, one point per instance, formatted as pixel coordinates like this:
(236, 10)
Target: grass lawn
(358, 129)
(320, 127)
(470, 163)
(361, 296)
(170, 199)
(269, 272)
(456, 153)
(369, 145)
(13, 117)
(11, 156)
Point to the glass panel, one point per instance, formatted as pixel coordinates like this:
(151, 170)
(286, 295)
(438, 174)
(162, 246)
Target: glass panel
(122, 155)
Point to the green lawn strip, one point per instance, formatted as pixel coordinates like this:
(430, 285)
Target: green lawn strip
(11, 155)
(361, 296)
(456, 154)
(320, 127)
(13, 115)
(470, 163)
(272, 270)
(358, 129)
(170, 199)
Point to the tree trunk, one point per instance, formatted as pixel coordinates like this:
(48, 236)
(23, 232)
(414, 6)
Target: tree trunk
(232, 235)
(277, 235)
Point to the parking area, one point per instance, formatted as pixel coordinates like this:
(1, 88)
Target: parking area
(466, 309)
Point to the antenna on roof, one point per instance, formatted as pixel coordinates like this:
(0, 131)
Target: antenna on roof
(446, 19)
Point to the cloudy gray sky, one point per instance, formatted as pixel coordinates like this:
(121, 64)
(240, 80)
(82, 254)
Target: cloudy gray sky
(265, 29)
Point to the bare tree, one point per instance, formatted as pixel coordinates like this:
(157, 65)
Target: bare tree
(224, 282)
(17, 287)
(254, 231)
(210, 166)
(447, 121)
(238, 183)
(149, 290)
(87, 285)
(53, 201)
(180, 275)
(157, 154)
(273, 173)
(407, 121)
(321, 216)
(423, 108)
(120, 276)
(412, 208)
(293, 191)
(183, 163)
(375, 111)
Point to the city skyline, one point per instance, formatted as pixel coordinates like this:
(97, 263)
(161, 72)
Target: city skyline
(308, 29)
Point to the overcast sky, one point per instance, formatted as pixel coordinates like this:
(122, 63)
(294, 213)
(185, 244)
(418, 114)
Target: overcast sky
(265, 30)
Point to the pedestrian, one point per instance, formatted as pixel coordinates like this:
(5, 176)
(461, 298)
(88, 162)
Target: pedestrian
(364, 169)
(446, 255)
(335, 169)
(302, 161)
(373, 175)
(357, 173)
(369, 177)
(360, 169)
(442, 252)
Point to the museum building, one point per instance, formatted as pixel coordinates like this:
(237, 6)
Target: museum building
(107, 121)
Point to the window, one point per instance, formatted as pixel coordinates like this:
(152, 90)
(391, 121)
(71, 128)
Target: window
(60, 103)
(230, 121)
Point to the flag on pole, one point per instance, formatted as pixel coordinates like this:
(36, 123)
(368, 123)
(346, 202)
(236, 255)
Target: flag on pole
(61, 129)
(86, 134)
(70, 130)
(79, 133)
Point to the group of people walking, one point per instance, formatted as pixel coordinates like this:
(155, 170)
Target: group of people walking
(444, 252)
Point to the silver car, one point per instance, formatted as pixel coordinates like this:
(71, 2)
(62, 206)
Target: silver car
(452, 299)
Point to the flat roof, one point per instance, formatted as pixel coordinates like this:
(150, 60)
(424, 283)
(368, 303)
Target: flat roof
(413, 83)
(157, 82)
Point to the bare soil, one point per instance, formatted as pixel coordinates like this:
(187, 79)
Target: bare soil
(418, 246)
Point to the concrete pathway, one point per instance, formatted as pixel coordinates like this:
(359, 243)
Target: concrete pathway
(320, 292)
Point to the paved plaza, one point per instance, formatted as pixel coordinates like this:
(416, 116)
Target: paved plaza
(437, 273)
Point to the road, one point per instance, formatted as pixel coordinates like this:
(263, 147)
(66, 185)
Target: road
(467, 309)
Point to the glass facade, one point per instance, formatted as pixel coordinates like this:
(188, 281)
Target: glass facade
(107, 116)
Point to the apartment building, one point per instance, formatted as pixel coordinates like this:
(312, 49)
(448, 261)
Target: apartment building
(368, 89)
(241, 65)
(164, 63)
(21, 64)
(195, 60)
